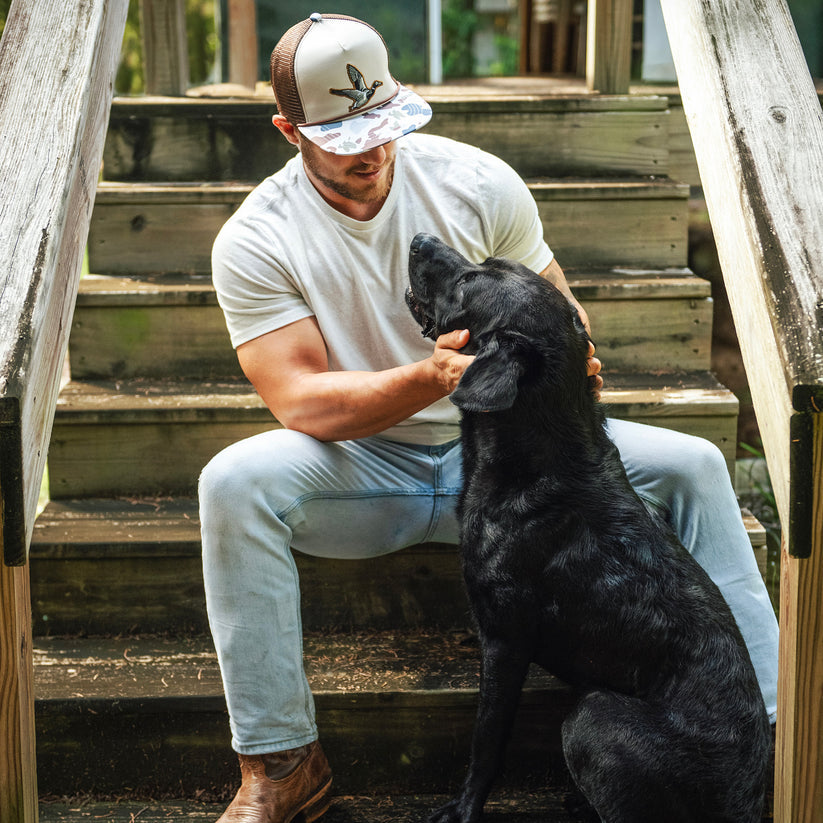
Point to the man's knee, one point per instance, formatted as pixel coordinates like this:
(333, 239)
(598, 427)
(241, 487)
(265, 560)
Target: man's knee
(259, 464)
(697, 462)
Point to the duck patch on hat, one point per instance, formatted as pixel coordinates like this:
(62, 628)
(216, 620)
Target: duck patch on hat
(360, 93)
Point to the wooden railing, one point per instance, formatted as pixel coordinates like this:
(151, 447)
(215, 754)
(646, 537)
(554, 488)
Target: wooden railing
(57, 64)
(757, 129)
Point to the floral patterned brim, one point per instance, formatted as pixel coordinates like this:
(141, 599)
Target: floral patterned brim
(404, 113)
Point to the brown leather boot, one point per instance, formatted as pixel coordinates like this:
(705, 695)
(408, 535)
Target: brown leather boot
(281, 787)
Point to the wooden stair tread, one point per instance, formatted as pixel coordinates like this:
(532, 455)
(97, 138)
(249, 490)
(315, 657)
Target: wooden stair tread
(555, 92)
(535, 806)
(145, 527)
(100, 290)
(106, 527)
(168, 193)
(416, 666)
(395, 712)
(691, 393)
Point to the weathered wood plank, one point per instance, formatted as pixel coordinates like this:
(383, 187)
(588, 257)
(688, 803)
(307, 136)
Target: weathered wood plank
(243, 48)
(136, 228)
(233, 139)
(395, 709)
(102, 567)
(165, 47)
(49, 165)
(52, 124)
(167, 326)
(533, 806)
(609, 46)
(147, 438)
(757, 129)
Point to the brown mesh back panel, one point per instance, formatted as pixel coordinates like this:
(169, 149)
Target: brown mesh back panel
(282, 73)
(282, 69)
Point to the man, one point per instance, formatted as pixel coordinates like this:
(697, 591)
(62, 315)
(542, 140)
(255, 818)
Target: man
(310, 273)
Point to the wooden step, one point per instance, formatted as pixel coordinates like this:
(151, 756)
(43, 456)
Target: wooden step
(541, 805)
(134, 565)
(138, 228)
(171, 326)
(545, 804)
(138, 437)
(104, 566)
(534, 130)
(395, 712)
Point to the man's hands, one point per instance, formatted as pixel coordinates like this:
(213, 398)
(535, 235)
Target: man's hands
(448, 362)
(593, 366)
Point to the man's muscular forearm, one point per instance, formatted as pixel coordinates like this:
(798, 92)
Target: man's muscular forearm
(305, 396)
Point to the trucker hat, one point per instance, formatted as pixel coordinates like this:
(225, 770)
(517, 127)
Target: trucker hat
(330, 76)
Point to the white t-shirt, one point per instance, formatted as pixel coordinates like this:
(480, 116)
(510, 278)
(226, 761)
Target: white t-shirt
(286, 254)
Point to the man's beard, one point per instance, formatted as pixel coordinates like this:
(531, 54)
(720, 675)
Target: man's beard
(374, 193)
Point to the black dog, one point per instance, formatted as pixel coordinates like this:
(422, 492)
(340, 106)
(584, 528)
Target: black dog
(565, 567)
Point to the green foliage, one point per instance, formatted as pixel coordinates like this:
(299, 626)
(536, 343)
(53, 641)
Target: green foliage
(763, 489)
(459, 25)
(5, 5)
(509, 50)
(202, 46)
(129, 78)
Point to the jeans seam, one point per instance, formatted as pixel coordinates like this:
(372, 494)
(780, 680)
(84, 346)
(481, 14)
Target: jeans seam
(352, 495)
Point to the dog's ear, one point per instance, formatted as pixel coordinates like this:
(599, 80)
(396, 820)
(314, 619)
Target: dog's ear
(490, 382)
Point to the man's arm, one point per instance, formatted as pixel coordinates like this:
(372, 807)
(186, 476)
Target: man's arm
(289, 369)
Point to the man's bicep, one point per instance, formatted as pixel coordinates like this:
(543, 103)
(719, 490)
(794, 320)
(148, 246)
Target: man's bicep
(275, 361)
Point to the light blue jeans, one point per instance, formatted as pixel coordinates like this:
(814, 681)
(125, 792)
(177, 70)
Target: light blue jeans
(358, 499)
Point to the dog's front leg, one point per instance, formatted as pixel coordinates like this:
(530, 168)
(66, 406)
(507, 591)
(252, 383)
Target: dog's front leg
(503, 673)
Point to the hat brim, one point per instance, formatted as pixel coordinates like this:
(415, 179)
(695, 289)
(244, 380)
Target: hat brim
(404, 113)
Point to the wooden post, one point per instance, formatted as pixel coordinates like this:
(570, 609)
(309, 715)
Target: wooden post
(757, 130)
(53, 124)
(243, 48)
(609, 46)
(799, 756)
(165, 48)
(18, 769)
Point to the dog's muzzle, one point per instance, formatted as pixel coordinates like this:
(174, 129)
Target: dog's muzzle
(429, 328)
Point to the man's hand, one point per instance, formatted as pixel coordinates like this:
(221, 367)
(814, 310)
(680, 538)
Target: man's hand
(447, 359)
(593, 366)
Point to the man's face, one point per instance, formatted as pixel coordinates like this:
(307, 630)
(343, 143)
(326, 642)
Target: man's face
(358, 178)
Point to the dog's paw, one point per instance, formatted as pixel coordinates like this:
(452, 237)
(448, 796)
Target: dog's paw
(452, 812)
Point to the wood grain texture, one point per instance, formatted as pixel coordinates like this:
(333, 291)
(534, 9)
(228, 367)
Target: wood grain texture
(165, 48)
(609, 46)
(55, 93)
(144, 437)
(757, 129)
(233, 139)
(243, 42)
(136, 227)
(161, 326)
(49, 161)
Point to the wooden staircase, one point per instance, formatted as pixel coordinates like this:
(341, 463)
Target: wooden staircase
(129, 698)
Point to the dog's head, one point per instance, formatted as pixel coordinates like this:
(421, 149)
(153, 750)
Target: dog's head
(524, 332)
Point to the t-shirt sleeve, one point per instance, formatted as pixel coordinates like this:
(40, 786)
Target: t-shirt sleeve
(512, 218)
(254, 290)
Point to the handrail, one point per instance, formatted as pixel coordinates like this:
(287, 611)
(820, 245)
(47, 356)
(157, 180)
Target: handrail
(57, 64)
(757, 130)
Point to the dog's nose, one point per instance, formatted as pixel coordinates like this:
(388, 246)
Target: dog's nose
(420, 242)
